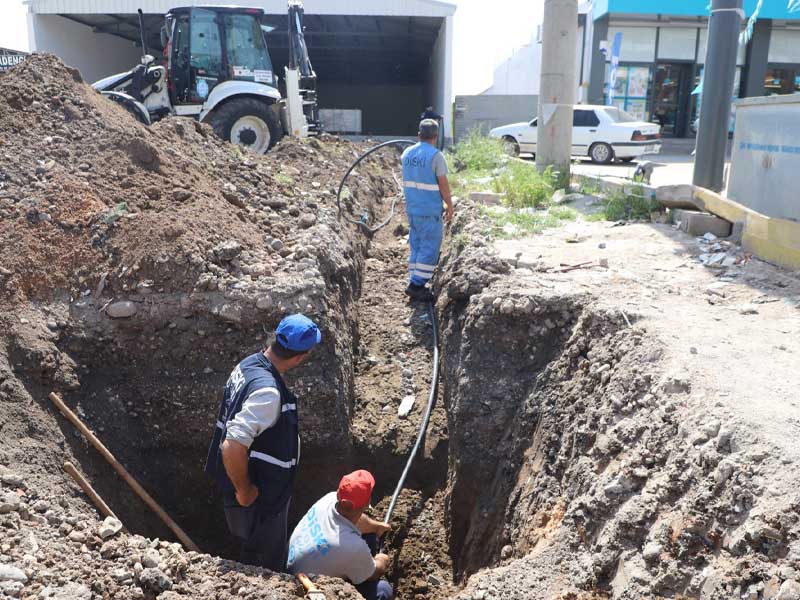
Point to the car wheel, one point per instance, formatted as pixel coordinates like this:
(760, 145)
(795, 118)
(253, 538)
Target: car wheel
(627, 159)
(247, 122)
(510, 146)
(601, 153)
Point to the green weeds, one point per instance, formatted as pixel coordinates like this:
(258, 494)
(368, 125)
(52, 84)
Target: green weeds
(635, 205)
(477, 152)
(524, 186)
(513, 223)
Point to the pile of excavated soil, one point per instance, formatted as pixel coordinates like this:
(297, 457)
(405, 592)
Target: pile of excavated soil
(90, 198)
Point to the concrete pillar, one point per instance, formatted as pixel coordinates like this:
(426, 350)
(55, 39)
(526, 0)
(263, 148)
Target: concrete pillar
(715, 109)
(558, 85)
(597, 77)
(757, 59)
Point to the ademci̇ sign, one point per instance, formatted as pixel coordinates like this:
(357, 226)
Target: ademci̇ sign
(9, 58)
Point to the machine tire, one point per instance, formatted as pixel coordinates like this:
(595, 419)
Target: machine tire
(249, 116)
(510, 145)
(601, 153)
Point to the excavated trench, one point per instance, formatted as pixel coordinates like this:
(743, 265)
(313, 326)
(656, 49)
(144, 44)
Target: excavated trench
(151, 390)
(535, 393)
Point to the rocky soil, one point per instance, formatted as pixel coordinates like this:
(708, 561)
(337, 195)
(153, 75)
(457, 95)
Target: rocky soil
(137, 266)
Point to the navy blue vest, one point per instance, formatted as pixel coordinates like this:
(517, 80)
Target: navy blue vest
(274, 453)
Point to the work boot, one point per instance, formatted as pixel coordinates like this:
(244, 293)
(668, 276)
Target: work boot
(419, 293)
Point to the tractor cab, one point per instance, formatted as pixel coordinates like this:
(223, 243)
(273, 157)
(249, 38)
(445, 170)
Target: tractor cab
(218, 71)
(210, 45)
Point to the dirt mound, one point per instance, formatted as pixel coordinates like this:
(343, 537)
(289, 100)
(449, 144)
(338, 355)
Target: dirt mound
(89, 197)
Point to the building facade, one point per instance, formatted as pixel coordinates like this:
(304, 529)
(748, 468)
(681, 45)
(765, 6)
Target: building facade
(663, 52)
(389, 59)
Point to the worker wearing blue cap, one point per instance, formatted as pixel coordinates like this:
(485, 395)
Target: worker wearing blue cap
(254, 453)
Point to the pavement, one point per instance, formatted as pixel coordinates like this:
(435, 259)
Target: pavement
(674, 165)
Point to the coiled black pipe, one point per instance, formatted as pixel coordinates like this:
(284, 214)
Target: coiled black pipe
(370, 231)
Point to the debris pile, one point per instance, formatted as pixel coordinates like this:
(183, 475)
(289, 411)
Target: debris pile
(51, 549)
(719, 253)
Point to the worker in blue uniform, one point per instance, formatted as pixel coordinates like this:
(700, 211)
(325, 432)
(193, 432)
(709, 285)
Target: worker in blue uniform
(255, 447)
(426, 189)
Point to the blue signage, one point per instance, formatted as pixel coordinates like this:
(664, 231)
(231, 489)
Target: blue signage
(774, 9)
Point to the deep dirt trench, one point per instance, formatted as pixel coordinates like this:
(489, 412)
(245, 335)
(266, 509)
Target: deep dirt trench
(151, 392)
(557, 463)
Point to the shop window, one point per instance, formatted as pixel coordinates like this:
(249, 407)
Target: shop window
(632, 89)
(677, 43)
(638, 43)
(781, 81)
(696, 98)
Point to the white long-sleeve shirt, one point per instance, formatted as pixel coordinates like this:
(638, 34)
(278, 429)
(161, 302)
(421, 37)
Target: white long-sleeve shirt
(259, 412)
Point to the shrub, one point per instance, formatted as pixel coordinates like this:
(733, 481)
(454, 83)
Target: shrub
(477, 152)
(524, 186)
(636, 205)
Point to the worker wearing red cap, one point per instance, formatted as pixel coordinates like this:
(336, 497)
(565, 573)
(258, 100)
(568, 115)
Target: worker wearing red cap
(333, 539)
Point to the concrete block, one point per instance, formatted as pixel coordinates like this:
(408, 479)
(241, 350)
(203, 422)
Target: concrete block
(676, 196)
(699, 223)
(487, 198)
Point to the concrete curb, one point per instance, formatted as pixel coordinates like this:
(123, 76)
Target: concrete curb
(774, 240)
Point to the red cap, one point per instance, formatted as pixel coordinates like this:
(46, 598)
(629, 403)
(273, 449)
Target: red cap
(357, 488)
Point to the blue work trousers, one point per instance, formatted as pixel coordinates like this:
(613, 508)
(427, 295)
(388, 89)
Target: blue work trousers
(375, 590)
(425, 240)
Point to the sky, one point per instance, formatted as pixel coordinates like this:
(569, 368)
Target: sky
(486, 33)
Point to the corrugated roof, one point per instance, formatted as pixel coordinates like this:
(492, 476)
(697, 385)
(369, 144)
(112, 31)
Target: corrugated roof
(416, 8)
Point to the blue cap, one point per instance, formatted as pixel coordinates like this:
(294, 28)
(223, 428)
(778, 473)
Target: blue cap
(298, 333)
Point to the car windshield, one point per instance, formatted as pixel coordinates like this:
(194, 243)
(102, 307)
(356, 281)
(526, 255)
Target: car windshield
(620, 116)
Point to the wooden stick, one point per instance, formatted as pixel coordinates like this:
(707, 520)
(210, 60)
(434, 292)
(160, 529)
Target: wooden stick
(140, 491)
(90, 491)
(312, 591)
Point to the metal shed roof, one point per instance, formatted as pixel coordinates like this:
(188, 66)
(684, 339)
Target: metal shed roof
(400, 8)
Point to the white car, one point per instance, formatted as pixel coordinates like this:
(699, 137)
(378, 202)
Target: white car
(603, 133)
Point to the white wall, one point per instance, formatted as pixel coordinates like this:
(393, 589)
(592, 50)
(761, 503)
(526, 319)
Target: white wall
(96, 55)
(441, 75)
(520, 74)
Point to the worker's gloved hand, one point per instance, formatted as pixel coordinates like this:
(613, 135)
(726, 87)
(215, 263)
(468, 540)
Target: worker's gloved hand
(247, 496)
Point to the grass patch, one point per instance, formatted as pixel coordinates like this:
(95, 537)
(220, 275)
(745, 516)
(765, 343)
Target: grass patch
(634, 206)
(514, 223)
(524, 186)
(595, 217)
(477, 152)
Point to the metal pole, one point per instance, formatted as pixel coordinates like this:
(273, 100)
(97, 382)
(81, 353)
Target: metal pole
(557, 85)
(724, 27)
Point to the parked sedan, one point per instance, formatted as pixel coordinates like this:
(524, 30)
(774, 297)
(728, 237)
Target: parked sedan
(603, 133)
